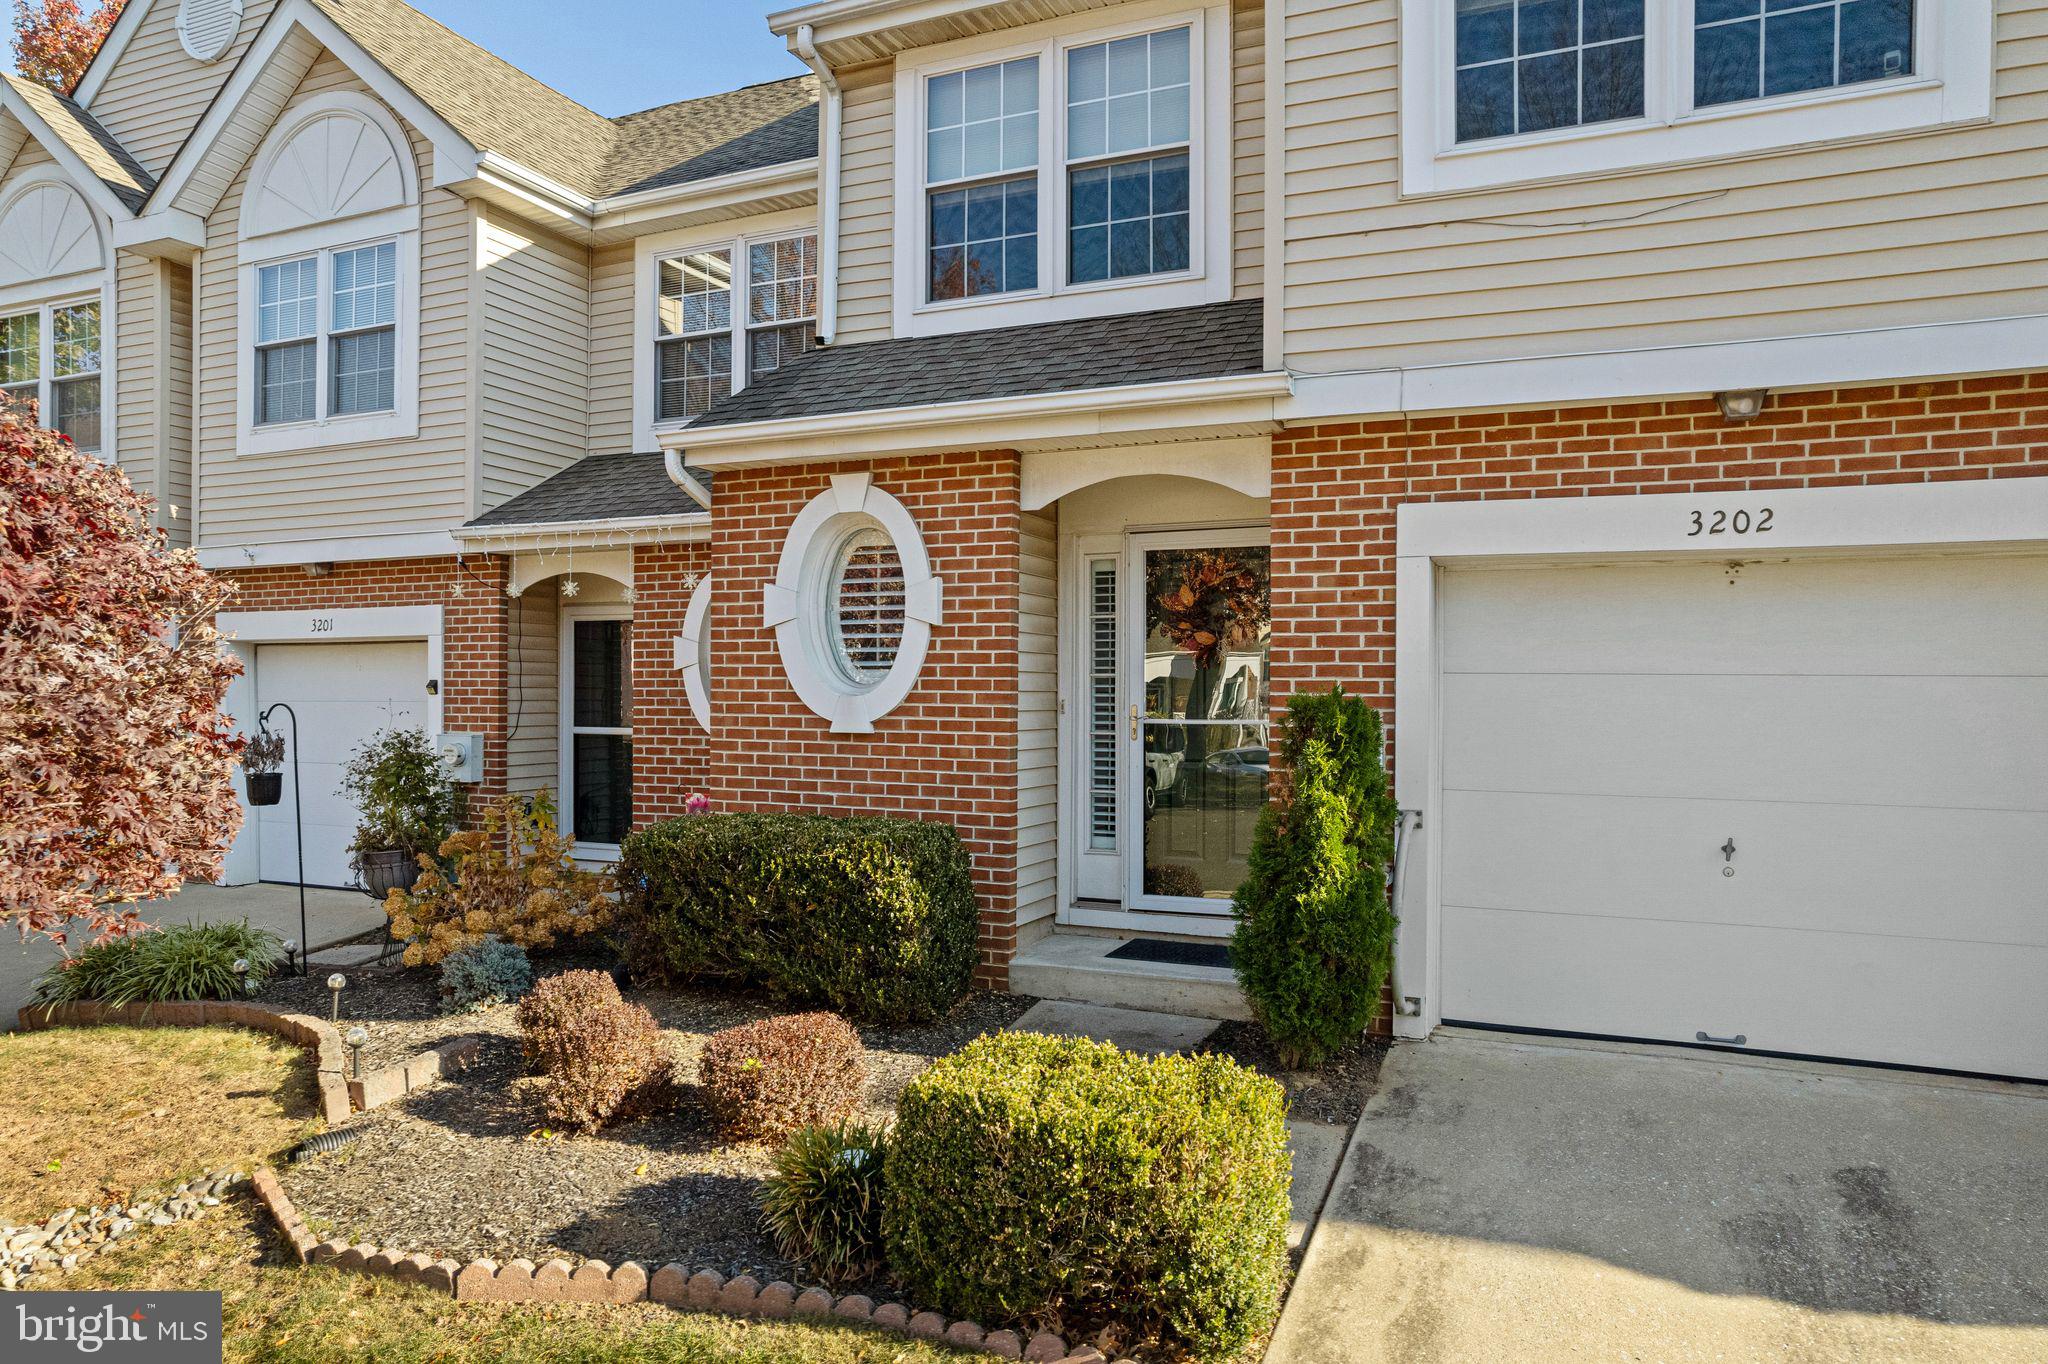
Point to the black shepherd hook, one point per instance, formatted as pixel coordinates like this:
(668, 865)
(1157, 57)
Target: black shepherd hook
(298, 823)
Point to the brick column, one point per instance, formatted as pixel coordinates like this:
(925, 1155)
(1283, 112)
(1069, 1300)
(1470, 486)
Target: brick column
(671, 751)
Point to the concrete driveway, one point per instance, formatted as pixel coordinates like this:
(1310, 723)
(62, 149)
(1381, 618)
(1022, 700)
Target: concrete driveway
(331, 915)
(1512, 1200)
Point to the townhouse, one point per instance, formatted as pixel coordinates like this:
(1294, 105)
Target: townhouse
(1644, 403)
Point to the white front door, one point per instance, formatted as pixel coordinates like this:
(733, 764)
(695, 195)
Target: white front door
(1197, 626)
(1797, 806)
(342, 694)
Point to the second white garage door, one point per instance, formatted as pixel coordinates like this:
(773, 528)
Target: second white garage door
(1801, 803)
(342, 694)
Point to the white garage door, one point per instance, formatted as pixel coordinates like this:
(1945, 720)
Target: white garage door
(343, 694)
(1869, 736)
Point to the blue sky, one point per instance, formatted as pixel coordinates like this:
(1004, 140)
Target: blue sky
(617, 56)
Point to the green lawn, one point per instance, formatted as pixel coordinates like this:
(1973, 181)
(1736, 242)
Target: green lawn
(276, 1312)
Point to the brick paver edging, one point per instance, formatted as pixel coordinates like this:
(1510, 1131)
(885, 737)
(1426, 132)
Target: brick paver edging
(594, 1281)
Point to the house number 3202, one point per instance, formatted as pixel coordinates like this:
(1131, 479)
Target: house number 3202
(1743, 522)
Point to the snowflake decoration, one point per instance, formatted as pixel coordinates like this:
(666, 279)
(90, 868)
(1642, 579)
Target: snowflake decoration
(631, 594)
(690, 581)
(570, 587)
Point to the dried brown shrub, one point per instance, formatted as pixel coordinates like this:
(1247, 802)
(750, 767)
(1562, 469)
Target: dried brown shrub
(767, 1079)
(604, 1057)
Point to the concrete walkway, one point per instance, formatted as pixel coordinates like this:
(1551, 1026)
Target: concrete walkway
(331, 915)
(1516, 1201)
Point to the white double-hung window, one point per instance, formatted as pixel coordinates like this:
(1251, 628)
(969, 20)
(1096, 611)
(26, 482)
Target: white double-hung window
(327, 335)
(50, 357)
(1080, 172)
(717, 327)
(1499, 91)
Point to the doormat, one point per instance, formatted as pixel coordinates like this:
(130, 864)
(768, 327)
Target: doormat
(1214, 954)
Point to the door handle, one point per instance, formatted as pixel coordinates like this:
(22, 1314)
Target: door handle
(1728, 849)
(1134, 720)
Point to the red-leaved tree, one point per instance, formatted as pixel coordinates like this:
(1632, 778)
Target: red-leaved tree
(116, 764)
(55, 40)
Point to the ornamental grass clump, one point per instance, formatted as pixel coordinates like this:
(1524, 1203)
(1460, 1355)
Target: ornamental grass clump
(1315, 934)
(513, 876)
(767, 1079)
(604, 1057)
(191, 961)
(1141, 1201)
(823, 1203)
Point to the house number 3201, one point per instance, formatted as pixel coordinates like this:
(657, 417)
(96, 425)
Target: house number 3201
(1743, 522)
(323, 625)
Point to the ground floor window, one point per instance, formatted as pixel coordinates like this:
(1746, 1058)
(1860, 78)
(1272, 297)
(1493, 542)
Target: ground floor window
(597, 730)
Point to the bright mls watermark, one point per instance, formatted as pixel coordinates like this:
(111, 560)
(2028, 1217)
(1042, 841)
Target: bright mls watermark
(164, 1328)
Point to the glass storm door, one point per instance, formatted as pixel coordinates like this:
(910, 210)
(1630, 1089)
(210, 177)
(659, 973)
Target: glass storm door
(597, 739)
(1199, 627)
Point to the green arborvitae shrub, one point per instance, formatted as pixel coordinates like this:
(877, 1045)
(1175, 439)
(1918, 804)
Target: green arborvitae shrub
(604, 1057)
(1055, 1179)
(823, 1203)
(767, 1079)
(191, 961)
(484, 974)
(1315, 935)
(872, 918)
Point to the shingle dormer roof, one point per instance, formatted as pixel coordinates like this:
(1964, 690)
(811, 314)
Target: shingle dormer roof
(84, 137)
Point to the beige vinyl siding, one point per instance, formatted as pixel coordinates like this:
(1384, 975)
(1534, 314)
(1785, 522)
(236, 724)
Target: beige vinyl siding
(137, 370)
(177, 403)
(1248, 147)
(867, 210)
(533, 753)
(31, 155)
(611, 351)
(536, 361)
(1939, 227)
(1038, 658)
(157, 94)
(388, 488)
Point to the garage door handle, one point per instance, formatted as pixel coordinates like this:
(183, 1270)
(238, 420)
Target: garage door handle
(1728, 849)
(1739, 1040)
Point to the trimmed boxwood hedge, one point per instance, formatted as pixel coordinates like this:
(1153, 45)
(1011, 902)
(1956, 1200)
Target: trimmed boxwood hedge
(872, 917)
(1033, 1178)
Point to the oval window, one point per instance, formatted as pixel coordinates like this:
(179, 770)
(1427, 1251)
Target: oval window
(867, 606)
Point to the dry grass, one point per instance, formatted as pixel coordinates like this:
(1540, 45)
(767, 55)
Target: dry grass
(91, 1113)
(278, 1313)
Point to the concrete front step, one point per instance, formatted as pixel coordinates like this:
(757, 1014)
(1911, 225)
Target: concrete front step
(1078, 967)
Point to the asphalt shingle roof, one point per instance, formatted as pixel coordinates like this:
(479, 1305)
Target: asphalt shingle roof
(500, 108)
(1204, 342)
(92, 144)
(598, 488)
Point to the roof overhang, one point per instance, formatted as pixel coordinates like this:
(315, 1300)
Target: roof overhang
(852, 32)
(82, 176)
(1026, 421)
(511, 186)
(612, 533)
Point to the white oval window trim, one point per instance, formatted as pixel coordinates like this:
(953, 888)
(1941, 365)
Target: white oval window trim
(693, 653)
(866, 602)
(207, 28)
(802, 604)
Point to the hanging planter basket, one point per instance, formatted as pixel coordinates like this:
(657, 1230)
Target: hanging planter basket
(389, 870)
(265, 788)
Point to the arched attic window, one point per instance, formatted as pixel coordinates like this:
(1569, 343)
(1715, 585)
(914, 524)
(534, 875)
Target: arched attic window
(330, 228)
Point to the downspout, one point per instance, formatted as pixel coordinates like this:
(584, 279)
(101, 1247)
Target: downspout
(831, 116)
(1405, 1006)
(672, 460)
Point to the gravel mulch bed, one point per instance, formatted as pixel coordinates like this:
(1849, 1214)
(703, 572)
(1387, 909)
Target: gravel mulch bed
(466, 1168)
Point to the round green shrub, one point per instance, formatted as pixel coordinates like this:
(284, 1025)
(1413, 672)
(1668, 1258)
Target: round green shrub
(1035, 1178)
(1315, 935)
(873, 918)
(823, 1203)
(484, 974)
(190, 961)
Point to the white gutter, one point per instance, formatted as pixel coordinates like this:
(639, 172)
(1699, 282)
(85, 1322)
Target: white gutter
(611, 532)
(831, 115)
(672, 460)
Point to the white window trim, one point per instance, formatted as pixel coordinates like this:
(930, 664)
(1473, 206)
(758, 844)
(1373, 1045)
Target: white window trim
(797, 605)
(648, 256)
(1954, 44)
(693, 653)
(565, 794)
(1208, 278)
(46, 376)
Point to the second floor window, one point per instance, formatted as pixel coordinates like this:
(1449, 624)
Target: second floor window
(1752, 49)
(717, 328)
(1526, 66)
(50, 357)
(1128, 137)
(327, 335)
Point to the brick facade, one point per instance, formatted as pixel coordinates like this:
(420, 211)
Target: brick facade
(475, 624)
(671, 751)
(1336, 486)
(949, 752)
